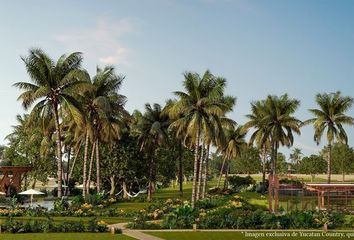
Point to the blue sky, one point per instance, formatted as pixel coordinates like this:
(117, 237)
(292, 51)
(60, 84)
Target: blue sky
(260, 47)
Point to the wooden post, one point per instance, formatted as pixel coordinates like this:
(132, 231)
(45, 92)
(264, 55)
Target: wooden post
(194, 227)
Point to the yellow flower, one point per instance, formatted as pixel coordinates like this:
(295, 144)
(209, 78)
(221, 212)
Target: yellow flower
(112, 200)
(86, 206)
(101, 222)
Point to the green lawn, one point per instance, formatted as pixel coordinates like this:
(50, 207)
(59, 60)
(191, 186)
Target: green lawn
(236, 235)
(64, 236)
(109, 220)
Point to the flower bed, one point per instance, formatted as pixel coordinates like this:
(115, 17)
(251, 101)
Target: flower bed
(12, 226)
(232, 212)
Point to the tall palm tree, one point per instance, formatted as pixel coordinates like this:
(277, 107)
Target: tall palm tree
(152, 132)
(203, 97)
(280, 124)
(104, 108)
(53, 85)
(260, 136)
(235, 140)
(331, 116)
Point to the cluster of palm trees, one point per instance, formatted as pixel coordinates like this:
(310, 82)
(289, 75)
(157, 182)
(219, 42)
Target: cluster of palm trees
(83, 111)
(74, 108)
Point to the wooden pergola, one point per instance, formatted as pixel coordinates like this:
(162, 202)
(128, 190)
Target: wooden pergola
(331, 195)
(12, 176)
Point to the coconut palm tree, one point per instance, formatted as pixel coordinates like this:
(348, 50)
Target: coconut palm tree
(235, 140)
(331, 115)
(152, 132)
(296, 156)
(53, 85)
(260, 136)
(192, 112)
(104, 108)
(280, 124)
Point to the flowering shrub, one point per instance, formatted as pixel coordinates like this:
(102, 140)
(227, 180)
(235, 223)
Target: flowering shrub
(12, 226)
(11, 212)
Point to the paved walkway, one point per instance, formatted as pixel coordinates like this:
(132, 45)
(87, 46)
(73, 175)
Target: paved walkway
(137, 234)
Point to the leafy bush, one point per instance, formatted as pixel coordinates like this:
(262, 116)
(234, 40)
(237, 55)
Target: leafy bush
(61, 205)
(182, 217)
(238, 182)
(12, 226)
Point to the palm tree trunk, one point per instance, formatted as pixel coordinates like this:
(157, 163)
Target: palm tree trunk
(67, 171)
(74, 162)
(264, 167)
(149, 197)
(206, 173)
(221, 172)
(329, 162)
(98, 169)
(271, 181)
(226, 181)
(200, 173)
(58, 145)
(276, 196)
(88, 184)
(68, 165)
(180, 170)
(196, 155)
(84, 190)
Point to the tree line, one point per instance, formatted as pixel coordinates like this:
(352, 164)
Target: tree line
(83, 118)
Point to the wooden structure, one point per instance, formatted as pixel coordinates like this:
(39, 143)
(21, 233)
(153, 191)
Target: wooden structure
(273, 193)
(12, 176)
(333, 195)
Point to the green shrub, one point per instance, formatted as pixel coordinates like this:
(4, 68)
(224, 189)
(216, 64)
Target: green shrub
(182, 217)
(61, 205)
(237, 182)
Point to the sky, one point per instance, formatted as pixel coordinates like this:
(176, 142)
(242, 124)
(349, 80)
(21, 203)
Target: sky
(299, 47)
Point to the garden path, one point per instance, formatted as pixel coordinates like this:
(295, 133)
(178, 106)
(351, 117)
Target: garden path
(133, 233)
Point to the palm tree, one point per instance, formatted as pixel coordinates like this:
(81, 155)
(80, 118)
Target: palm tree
(53, 85)
(331, 116)
(192, 112)
(152, 132)
(280, 124)
(260, 136)
(105, 111)
(235, 140)
(296, 157)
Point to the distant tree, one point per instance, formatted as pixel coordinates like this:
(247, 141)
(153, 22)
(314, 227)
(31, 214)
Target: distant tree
(342, 159)
(249, 162)
(282, 165)
(295, 157)
(331, 116)
(313, 165)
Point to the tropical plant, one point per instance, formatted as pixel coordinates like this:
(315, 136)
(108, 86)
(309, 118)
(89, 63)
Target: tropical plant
(53, 86)
(260, 136)
(235, 140)
(331, 116)
(203, 98)
(152, 132)
(105, 115)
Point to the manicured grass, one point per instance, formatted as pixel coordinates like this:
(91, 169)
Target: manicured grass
(131, 206)
(231, 235)
(255, 198)
(109, 220)
(64, 236)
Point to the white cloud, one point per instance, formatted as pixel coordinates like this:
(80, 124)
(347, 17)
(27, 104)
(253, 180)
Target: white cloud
(101, 42)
